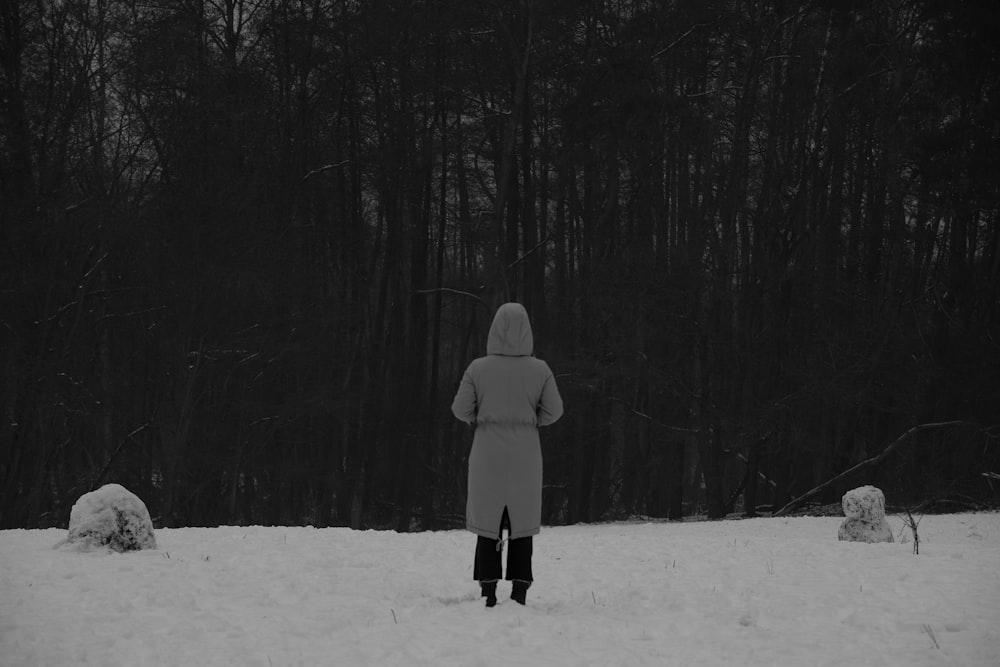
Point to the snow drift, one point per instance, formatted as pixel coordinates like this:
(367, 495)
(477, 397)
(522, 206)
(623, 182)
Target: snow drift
(111, 517)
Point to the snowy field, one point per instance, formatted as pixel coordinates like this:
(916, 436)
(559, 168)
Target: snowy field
(754, 592)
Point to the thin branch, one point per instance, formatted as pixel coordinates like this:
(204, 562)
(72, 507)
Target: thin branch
(713, 91)
(449, 290)
(641, 415)
(678, 40)
(132, 313)
(74, 207)
(320, 170)
(94, 267)
(884, 70)
(913, 523)
(527, 254)
(114, 454)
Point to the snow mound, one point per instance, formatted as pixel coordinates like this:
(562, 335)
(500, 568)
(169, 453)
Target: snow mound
(866, 503)
(858, 530)
(111, 517)
(865, 511)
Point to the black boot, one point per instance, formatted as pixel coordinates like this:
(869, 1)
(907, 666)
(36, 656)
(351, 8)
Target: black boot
(489, 592)
(519, 593)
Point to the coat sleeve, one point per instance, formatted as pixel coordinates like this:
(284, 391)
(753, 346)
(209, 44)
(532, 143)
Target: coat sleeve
(550, 405)
(465, 406)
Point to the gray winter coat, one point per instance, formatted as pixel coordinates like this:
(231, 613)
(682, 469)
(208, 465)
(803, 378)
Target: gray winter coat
(507, 394)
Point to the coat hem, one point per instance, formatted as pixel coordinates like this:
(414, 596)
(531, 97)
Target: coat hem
(494, 534)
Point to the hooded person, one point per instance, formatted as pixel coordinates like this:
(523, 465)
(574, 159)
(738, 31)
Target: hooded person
(507, 395)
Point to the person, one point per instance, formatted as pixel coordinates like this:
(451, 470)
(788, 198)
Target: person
(507, 395)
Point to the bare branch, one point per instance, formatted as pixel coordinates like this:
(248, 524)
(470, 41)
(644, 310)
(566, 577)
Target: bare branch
(320, 170)
(678, 40)
(114, 454)
(94, 267)
(627, 404)
(867, 462)
(913, 523)
(527, 254)
(449, 290)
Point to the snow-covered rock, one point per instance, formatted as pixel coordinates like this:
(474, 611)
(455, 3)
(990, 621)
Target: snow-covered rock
(858, 530)
(110, 517)
(865, 502)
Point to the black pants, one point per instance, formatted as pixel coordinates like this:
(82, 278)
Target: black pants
(488, 556)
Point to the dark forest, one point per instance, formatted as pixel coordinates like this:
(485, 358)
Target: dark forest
(248, 247)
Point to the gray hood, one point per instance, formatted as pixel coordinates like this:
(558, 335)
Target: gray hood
(510, 333)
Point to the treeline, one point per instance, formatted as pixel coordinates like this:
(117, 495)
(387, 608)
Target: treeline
(249, 246)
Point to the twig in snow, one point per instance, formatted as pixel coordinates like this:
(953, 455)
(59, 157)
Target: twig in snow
(930, 633)
(913, 523)
(394, 616)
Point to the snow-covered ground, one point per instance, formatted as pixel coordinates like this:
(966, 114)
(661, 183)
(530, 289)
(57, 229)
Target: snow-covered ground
(753, 592)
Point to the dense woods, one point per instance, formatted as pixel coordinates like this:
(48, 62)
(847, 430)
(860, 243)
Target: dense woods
(249, 246)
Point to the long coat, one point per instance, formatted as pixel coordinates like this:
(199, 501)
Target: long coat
(507, 394)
